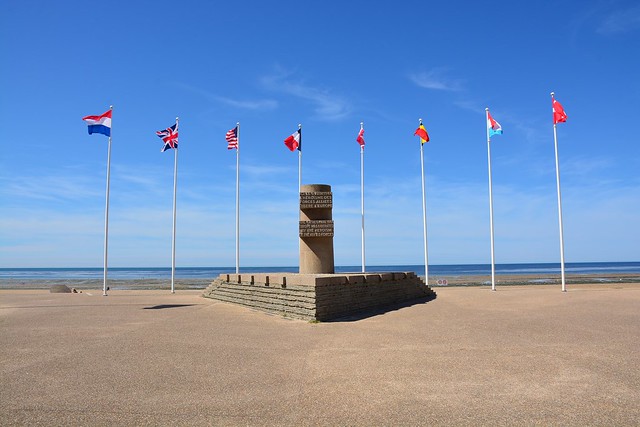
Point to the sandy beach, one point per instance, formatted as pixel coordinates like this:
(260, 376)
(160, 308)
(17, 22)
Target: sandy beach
(523, 355)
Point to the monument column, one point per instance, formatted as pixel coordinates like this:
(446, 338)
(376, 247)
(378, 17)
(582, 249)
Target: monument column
(316, 229)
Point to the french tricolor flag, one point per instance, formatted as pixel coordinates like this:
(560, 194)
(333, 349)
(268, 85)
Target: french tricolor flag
(99, 124)
(294, 141)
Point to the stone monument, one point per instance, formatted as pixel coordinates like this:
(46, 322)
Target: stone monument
(316, 292)
(316, 229)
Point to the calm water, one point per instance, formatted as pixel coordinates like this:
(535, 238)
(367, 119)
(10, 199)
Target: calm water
(211, 272)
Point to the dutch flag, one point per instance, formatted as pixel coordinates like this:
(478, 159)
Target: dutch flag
(99, 124)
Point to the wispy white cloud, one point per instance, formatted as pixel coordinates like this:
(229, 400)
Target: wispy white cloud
(436, 79)
(327, 105)
(469, 105)
(586, 166)
(260, 171)
(620, 21)
(49, 187)
(144, 178)
(244, 104)
(259, 104)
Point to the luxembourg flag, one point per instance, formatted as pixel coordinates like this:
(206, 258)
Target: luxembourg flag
(99, 124)
(493, 126)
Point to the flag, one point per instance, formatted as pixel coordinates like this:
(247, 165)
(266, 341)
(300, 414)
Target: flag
(294, 141)
(558, 112)
(99, 124)
(169, 137)
(360, 137)
(422, 133)
(232, 138)
(493, 126)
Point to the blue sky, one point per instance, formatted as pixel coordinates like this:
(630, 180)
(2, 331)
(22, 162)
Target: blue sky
(327, 65)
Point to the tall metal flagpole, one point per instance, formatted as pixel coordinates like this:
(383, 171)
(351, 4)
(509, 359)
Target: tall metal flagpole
(106, 210)
(362, 194)
(555, 139)
(300, 159)
(299, 178)
(238, 201)
(424, 214)
(173, 240)
(493, 265)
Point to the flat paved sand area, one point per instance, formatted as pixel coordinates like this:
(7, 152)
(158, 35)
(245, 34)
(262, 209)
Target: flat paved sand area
(523, 355)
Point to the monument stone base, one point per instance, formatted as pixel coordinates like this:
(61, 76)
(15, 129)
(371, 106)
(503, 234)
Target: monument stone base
(320, 297)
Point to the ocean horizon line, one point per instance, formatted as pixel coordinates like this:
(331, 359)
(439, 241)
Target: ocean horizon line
(435, 270)
(544, 263)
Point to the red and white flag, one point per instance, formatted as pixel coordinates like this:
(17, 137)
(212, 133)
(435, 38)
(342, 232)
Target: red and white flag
(558, 113)
(232, 138)
(293, 142)
(360, 137)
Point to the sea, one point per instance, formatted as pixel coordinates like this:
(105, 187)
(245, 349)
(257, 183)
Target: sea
(444, 270)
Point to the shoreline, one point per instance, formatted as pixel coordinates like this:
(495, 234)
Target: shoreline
(435, 281)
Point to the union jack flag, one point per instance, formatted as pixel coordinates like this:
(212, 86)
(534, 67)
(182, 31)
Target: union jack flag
(169, 137)
(232, 138)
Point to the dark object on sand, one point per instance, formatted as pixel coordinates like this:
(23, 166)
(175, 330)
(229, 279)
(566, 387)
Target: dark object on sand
(59, 289)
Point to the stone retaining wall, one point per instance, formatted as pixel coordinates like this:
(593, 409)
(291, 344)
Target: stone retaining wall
(318, 296)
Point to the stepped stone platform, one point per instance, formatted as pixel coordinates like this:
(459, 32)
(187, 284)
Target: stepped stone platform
(319, 297)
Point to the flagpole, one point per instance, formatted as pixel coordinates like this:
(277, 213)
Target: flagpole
(173, 240)
(106, 211)
(493, 265)
(424, 214)
(299, 178)
(238, 201)
(555, 140)
(362, 195)
(300, 160)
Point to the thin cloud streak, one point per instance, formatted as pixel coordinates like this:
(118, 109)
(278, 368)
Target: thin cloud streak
(50, 187)
(253, 104)
(620, 21)
(260, 171)
(586, 167)
(435, 79)
(264, 104)
(327, 106)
